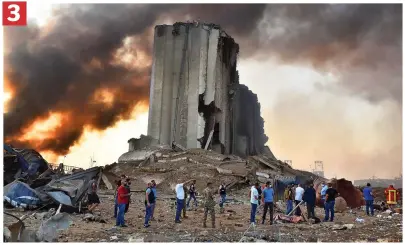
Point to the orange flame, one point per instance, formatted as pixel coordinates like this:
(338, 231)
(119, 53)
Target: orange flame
(8, 95)
(43, 128)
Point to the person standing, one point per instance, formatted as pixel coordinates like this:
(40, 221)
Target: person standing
(118, 184)
(192, 192)
(92, 197)
(222, 194)
(184, 205)
(299, 192)
(154, 204)
(254, 201)
(268, 197)
(209, 205)
(149, 201)
(330, 197)
(128, 186)
(288, 197)
(310, 199)
(180, 199)
(392, 196)
(323, 193)
(369, 198)
(122, 200)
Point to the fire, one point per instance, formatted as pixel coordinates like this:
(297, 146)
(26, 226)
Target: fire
(104, 96)
(131, 57)
(43, 128)
(50, 157)
(7, 95)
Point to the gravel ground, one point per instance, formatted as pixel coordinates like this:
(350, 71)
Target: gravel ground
(230, 226)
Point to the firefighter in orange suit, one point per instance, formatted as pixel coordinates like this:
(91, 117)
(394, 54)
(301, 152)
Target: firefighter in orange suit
(392, 196)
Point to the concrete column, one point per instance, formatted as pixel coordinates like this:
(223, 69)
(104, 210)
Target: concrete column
(212, 63)
(157, 82)
(193, 86)
(166, 109)
(183, 103)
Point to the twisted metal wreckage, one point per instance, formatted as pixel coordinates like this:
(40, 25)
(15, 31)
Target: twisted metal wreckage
(30, 182)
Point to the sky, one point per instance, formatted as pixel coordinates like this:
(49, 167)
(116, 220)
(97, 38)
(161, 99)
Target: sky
(332, 96)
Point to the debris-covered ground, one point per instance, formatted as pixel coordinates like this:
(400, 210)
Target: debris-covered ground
(167, 166)
(230, 226)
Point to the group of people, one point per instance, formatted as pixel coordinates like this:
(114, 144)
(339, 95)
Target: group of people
(208, 202)
(122, 200)
(261, 196)
(298, 195)
(391, 194)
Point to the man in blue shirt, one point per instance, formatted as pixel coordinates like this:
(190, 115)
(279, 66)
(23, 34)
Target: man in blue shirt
(310, 198)
(369, 198)
(267, 199)
(323, 193)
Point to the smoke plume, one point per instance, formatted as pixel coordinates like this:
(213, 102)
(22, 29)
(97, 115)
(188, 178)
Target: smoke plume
(92, 62)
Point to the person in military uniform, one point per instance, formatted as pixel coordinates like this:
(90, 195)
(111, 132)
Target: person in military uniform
(185, 198)
(209, 205)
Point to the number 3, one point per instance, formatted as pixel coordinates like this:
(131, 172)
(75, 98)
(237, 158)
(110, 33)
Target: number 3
(14, 12)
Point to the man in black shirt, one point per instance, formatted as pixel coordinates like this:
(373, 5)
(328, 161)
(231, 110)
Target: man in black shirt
(330, 196)
(128, 186)
(193, 193)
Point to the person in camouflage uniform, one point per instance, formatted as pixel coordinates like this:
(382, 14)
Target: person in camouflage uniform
(209, 205)
(185, 198)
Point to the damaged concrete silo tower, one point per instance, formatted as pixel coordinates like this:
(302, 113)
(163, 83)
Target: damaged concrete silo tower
(195, 95)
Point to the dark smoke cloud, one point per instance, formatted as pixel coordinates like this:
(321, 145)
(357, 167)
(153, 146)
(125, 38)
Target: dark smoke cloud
(61, 66)
(360, 44)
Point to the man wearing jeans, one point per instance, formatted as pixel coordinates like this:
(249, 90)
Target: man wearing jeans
(330, 196)
(222, 194)
(268, 194)
(192, 192)
(118, 183)
(288, 196)
(122, 200)
(149, 201)
(180, 199)
(254, 201)
(153, 187)
(369, 198)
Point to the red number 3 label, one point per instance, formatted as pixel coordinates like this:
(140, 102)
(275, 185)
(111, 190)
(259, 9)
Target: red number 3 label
(14, 13)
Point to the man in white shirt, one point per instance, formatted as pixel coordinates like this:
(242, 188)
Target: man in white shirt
(180, 199)
(299, 192)
(254, 201)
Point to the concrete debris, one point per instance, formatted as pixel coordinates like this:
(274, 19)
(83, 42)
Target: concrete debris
(45, 215)
(95, 218)
(340, 204)
(208, 107)
(343, 227)
(49, 229)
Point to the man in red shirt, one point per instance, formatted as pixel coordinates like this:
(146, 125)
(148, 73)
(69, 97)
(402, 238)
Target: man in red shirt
(122, 199)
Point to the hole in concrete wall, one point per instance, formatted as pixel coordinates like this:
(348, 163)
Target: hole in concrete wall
(217, 146)
(208, 112)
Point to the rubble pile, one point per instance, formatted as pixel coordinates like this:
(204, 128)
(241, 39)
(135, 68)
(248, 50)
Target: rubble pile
(169, 165)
